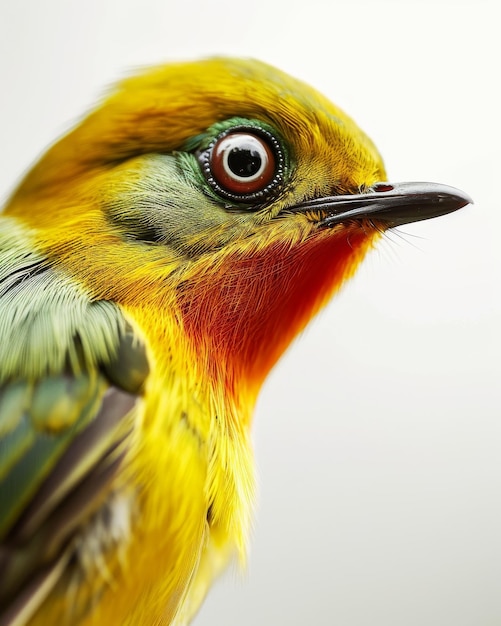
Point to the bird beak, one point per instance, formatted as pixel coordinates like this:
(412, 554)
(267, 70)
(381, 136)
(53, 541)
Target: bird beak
(389, 204)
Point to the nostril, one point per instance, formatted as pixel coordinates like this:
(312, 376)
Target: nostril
(382, 187)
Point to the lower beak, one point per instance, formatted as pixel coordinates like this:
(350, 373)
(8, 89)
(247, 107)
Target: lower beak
(388, 204)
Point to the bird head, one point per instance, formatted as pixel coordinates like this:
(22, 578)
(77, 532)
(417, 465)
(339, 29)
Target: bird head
(220, 203)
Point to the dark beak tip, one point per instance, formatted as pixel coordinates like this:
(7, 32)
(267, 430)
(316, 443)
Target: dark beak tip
(413, 202)
(422, 191)
(465, 199)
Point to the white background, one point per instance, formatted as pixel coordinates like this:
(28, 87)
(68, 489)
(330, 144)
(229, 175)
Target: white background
(378, 435)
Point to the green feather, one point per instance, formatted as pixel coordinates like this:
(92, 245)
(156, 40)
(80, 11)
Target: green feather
(71, 371)
(43, 311)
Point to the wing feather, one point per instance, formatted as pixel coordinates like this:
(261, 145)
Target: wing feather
(66, 424)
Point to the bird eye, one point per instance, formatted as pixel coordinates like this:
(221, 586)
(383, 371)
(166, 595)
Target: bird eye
(243, 164)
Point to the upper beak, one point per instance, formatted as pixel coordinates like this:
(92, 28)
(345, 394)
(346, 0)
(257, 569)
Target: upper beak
(389, 204)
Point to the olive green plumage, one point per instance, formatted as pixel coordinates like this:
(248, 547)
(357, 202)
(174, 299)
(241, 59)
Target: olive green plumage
(71, 371)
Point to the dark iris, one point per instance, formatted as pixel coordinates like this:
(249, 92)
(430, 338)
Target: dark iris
(244, 162)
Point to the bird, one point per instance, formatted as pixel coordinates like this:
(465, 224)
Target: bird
(155, 263)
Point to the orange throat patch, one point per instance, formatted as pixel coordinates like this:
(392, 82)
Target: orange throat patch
(246, 314)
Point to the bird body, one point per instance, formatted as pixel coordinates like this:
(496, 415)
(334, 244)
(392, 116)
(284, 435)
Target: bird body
(154, 265)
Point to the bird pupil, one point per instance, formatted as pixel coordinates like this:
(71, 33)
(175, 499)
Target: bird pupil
(244, 162)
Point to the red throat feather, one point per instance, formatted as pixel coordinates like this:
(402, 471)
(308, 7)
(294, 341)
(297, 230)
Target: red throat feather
(253, 306)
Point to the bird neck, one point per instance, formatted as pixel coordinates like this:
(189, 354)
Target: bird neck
(249, 309)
